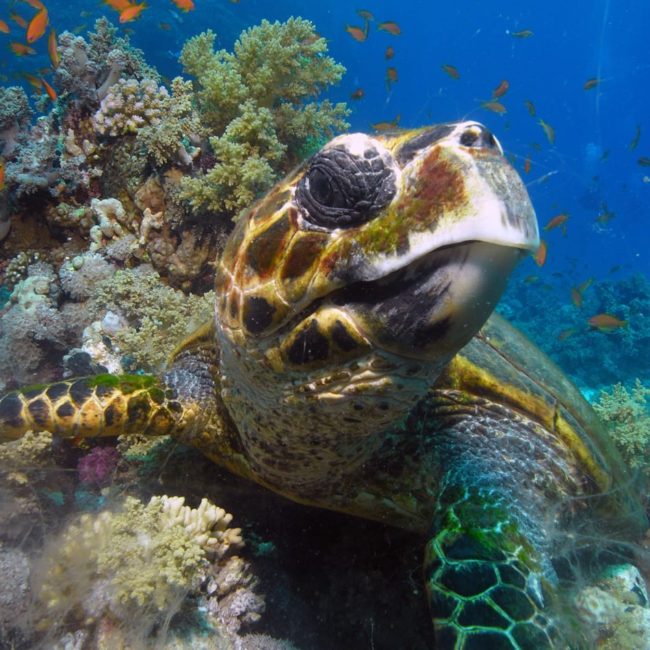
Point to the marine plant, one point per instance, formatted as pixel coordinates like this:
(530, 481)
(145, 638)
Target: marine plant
(258, 103)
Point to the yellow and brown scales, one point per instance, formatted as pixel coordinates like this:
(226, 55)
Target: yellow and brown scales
(350, 366)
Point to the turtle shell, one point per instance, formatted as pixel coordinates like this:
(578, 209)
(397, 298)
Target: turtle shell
(503, 365)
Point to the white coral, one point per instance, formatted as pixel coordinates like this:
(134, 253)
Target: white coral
(207, 524)
(129, 105)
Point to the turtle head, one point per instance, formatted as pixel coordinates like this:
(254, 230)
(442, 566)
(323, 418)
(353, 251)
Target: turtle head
(401, 243)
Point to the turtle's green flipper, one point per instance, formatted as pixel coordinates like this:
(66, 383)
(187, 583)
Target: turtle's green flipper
(102, 405)
(485, 579)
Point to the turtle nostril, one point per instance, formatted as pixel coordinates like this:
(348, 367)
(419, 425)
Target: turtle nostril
(470, 136)
(478, 136)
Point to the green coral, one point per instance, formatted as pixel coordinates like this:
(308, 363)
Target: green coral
(135, 564)
(159, 317)
(179, 123)
(627, 417)
(259, 106)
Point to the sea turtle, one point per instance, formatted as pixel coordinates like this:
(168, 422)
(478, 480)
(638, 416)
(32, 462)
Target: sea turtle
(353, 364)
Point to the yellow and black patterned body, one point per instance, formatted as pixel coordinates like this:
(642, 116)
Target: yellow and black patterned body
(351, 365)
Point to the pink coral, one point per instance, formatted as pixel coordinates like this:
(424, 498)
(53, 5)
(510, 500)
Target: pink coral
(97, 467)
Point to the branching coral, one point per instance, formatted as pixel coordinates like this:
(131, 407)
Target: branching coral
(135, 564)
(130, 105)
(258, 104)
(627, 416)
(179, 123)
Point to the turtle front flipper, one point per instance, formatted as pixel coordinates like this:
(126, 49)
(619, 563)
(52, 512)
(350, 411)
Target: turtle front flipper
(102, 405)
(183, 402)
(502, 515)
(488, 583)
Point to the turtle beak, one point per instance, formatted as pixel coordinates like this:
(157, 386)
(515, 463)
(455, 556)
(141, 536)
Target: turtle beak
(462, 167)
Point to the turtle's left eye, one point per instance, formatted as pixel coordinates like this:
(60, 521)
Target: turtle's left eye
(343, 188)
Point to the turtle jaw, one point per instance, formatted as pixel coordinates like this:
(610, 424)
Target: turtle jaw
(430, 309)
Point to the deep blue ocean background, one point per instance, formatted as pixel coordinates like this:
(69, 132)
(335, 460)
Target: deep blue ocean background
(590, 167)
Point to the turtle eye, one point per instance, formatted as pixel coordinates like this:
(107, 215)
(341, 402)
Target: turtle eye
(346, 186)
(324, 189)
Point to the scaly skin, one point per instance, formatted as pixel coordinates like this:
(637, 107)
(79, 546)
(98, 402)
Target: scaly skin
(341, 372)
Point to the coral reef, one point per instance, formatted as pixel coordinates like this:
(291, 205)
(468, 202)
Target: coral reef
(96, 468)
(158, 317)
(627, 416)
(616, 609)
(124, 319)
(14, 116)
(135, 564)
(257, 103)
(123, 166)
(592, 357)
(88, 69)
(32, 325)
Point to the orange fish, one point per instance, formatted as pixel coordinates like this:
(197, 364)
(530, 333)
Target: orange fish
(548, 130)
(635, 140)
(33, 81)
(165, 26)
(184, 5)
(583, 286)
(576, 297)
(527, 165)
(451, 70)
(591, 83)
(357, 33)
(18, 19)
(495, 107)
(118, 5)
(36, 4)
(605, 215)
(51, 93)
(365, 14)
(4, 28)
(391, 76)
(52, 49)
(132, 13)
(2, 174)
(37, 26)
(540, 255)
(565, 334)
(557, 221)
(389, 53)
(357, 94)
(386, 126)
(501, 89)
(391, 27)
(19, 49)
(606, 322)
